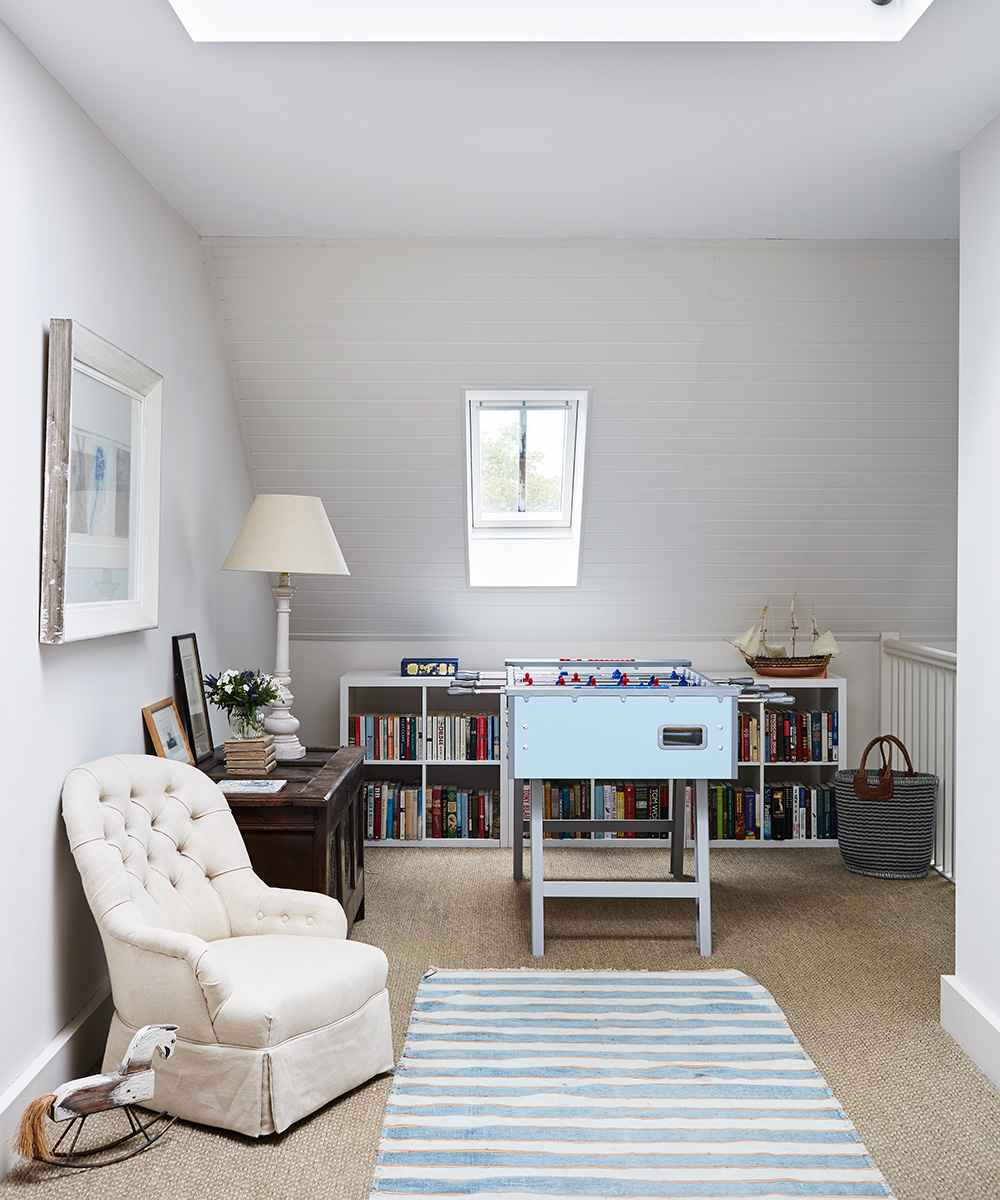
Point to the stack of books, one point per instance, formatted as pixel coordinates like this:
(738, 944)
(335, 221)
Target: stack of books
(250, 756)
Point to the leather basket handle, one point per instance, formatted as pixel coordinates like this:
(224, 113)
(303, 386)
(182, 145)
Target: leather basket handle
(883, 789)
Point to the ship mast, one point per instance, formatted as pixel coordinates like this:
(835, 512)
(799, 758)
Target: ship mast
(794, 626)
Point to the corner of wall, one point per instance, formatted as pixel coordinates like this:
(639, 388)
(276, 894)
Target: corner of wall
(972, 1025)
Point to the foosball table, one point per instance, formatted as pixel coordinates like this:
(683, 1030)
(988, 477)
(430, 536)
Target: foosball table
(655, 719)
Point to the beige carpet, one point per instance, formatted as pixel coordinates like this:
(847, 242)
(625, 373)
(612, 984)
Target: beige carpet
(855, 964)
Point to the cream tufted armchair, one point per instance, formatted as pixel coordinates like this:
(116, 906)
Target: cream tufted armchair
(277, 1012)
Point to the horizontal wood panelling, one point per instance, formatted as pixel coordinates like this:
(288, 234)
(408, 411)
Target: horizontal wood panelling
(766, 417)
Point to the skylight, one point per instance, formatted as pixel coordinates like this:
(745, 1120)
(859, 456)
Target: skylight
(549, 20)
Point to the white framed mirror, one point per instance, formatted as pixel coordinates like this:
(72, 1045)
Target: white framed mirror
(101, 519)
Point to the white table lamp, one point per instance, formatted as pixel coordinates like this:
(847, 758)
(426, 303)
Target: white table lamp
(283, 534)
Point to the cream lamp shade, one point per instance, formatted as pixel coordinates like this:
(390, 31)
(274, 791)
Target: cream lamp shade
(289, 535)
(286, 534)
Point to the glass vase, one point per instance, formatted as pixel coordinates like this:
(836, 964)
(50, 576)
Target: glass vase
(244, 726)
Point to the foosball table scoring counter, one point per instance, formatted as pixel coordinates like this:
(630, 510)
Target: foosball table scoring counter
(604, 719)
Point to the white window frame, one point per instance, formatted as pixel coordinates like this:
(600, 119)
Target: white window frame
(524, 401)
(526, 549)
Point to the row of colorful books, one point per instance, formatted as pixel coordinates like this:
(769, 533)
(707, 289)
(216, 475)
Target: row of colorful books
(469, 737)
(449, 737)
(789, 736)
(787, 811)
(617, 800)
(395, 810)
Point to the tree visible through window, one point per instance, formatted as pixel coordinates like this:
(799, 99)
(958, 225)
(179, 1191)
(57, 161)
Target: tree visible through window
(521, 457)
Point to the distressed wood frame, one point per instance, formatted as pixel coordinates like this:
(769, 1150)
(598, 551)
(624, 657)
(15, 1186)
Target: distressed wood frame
(163, 751)
(72, 345)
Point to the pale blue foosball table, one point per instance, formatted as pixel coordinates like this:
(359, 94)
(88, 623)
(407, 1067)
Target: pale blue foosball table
(623, 719)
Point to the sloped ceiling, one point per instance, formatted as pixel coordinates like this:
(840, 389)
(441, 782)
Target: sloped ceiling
(766, 418)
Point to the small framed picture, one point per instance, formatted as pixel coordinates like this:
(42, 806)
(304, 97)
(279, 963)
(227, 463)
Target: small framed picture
(189, 689)
(166, 732)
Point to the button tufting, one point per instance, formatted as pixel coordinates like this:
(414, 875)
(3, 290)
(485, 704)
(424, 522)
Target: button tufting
(284, 918)
(260, 916)
(309, 920)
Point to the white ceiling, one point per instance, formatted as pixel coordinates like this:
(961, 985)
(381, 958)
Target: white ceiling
(684, 140)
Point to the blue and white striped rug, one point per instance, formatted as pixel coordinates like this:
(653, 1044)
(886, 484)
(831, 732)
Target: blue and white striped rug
(575, 1084)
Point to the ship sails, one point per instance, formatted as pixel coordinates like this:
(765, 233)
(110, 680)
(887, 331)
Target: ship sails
(753, 643)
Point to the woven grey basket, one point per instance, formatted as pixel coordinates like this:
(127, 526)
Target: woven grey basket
(889, 836)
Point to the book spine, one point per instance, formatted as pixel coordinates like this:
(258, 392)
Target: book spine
(642, 805)
(630, 806)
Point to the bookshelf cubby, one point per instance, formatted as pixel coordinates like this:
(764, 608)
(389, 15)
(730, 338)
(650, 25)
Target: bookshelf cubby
(811, 695)
(382, 693)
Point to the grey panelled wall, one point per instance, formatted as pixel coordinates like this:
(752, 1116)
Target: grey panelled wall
(766, 417)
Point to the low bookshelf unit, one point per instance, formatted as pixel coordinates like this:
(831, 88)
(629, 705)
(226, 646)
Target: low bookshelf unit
(788, 756)
(435, 764)
(436, 768)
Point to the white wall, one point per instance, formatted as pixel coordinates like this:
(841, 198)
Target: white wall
(971, 997)
(85, 237)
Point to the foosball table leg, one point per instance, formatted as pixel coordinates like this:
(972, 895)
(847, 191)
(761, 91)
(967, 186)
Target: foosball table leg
(517, 822)
(703, 899)
(678, 833)
(537, 876)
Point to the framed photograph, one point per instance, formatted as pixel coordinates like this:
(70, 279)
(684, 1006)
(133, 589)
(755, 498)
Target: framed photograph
(101, 521)
(165, 729)
(189, 689)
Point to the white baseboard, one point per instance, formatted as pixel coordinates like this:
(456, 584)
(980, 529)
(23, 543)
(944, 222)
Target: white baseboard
(73, 1052)
(974, 1026)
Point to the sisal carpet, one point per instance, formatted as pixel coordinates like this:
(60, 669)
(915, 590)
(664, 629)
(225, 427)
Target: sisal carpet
(586, 1084)
(855, 964)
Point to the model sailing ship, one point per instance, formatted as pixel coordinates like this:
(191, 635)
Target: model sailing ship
(772, 658)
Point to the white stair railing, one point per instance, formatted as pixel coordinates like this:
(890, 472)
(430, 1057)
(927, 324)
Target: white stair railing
(917, 704)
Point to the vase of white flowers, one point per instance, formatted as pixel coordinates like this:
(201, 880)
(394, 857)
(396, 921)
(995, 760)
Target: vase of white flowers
(242, 695)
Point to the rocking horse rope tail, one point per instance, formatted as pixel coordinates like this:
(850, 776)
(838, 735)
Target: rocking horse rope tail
(32, 1138)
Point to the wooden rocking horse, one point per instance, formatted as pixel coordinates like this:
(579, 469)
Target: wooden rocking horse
(131, 1084)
